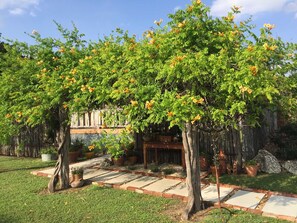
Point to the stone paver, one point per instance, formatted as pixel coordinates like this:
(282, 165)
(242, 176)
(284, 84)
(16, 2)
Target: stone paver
(210, 193)
(245, 199)
(162, 185)
(106, 176)
(90, 162)
(180, 189)
(48, 171)
(275, 205)
(281, 205)
(122, 179)
(84, 164)
(95, 173)
(140, 182)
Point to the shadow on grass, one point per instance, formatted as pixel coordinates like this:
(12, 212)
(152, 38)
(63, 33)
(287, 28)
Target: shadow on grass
(7, 219)
(24, 168)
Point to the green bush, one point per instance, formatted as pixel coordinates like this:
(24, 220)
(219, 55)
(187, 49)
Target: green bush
(154, 169)
(48, 150)
(77, 145)
(115, 144)
(250, 163)
(169, 171)
(286, 140)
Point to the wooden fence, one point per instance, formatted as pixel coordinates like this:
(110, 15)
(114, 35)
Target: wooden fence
(27, 143)
(254, 139)
(32, 139)
(96, 119)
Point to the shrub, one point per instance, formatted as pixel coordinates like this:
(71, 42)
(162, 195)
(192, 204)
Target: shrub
(76, 145)
(250, 163)
(169, 171)
(77, 170)
(155, 169)
(286, 139)
(48, 150)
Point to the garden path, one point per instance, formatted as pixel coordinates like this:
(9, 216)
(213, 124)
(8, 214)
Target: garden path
(265, 203)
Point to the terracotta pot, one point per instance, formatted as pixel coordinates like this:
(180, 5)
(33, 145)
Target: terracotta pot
(77, 180)
(119, 161)
(72, 156)
(223, 166)
(213, 171)
(77, 177)
(204, 165)
(229, 169)
(251, 170)
(222, 161)
(132, 160)
(89, 155)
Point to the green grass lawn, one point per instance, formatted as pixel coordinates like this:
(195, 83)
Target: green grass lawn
(281, 182)
(23, 199)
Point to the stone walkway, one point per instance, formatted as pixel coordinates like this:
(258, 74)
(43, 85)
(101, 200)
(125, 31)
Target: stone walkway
(265, 203)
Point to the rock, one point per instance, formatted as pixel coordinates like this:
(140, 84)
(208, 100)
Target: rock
(291, 166)
(268, 162)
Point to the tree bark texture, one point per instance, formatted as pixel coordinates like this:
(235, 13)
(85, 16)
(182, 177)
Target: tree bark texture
(61, 173)
(193, 170)
(240, 148)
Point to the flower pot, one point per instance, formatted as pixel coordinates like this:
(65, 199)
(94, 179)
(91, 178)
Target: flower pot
(46, 157)
(222, 161)
(223, 166)
(251, 170)
(72, 156)
(89, 155)
(132, 160)
(77, 180)
(118, 161)
(204, 165)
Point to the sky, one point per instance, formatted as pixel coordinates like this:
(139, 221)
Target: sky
(96, 18)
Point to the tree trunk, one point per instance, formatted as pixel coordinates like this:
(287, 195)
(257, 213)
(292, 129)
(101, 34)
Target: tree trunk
(193, 170)
(240, 148)
(62, 166)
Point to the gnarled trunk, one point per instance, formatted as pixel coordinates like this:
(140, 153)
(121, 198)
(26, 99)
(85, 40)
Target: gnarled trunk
(193, 170)
(62, 166)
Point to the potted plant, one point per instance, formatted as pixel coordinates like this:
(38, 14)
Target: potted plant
(116, 145)
(77, 177)
(74, 150)
(89, 151)
(204, 161)
(132, 154)
(251, 167)
(47, 154)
